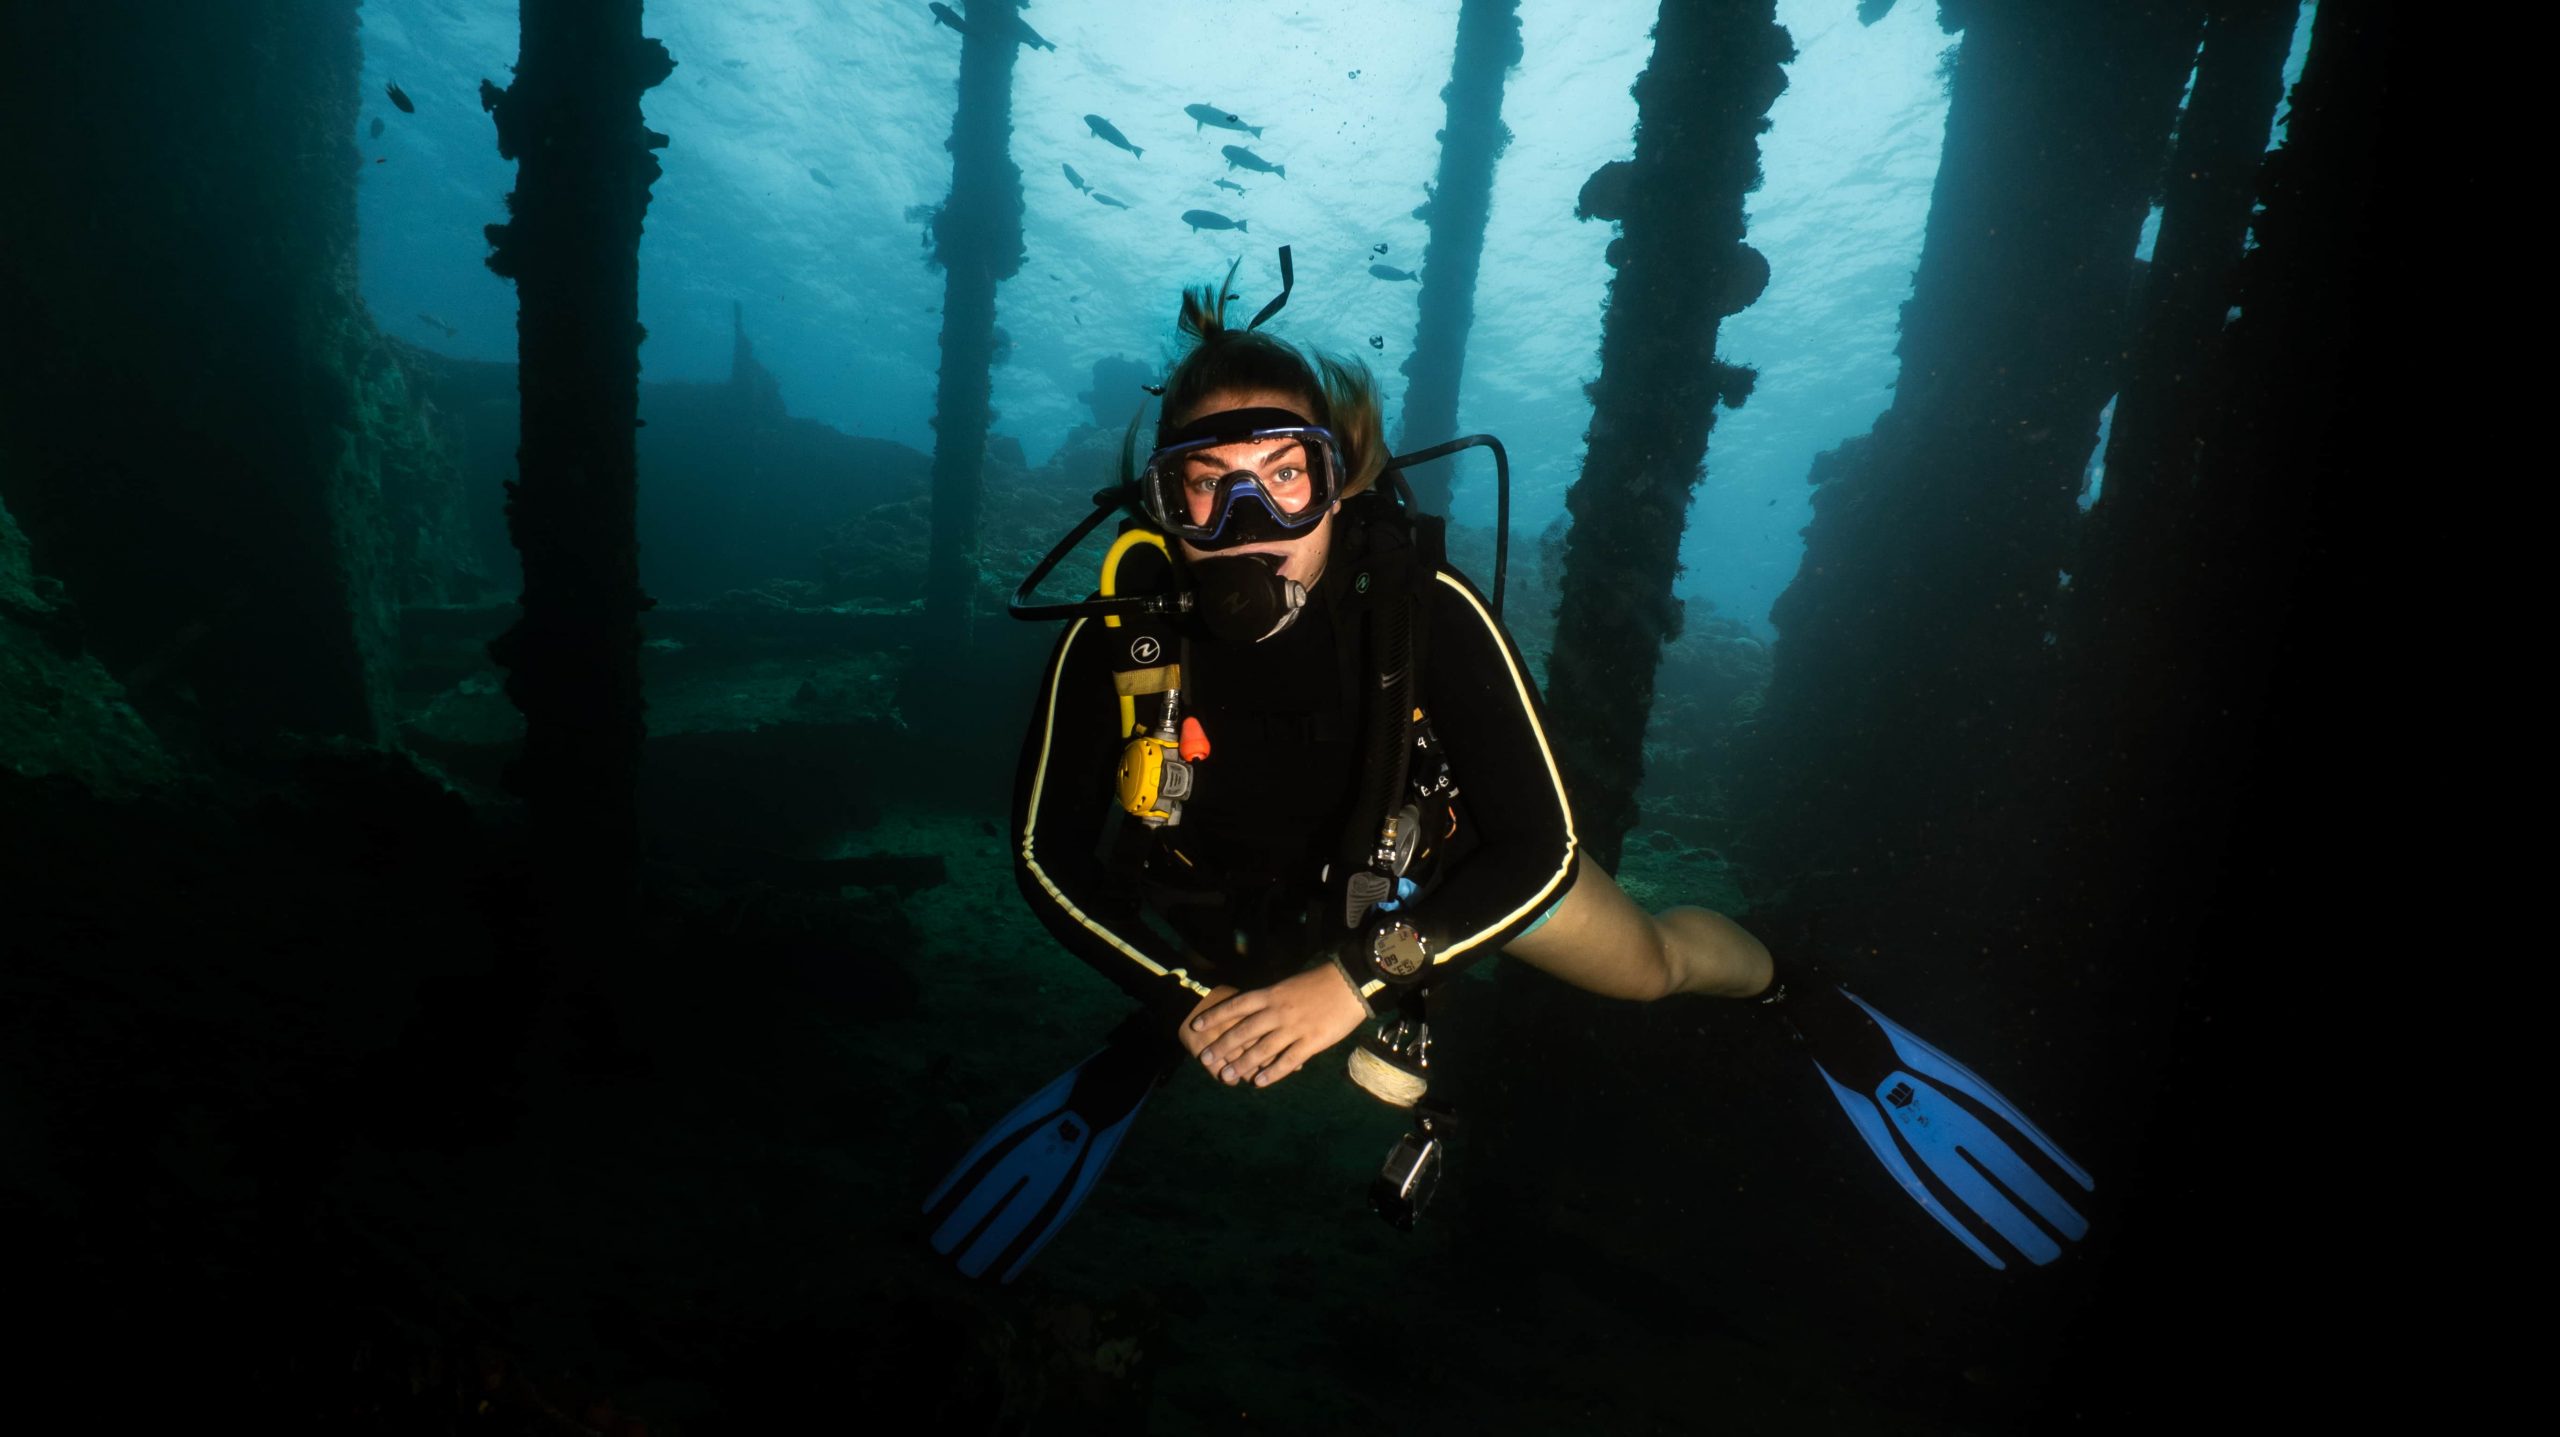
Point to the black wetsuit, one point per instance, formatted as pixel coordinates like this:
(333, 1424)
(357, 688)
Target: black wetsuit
(1230, 885)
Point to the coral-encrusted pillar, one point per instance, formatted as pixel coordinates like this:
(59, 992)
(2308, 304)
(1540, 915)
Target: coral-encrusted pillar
(571, 121)
(977, 240)
(1471, 142)
(1682, 266)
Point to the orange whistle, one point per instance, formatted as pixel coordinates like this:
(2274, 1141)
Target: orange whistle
(1195, 741)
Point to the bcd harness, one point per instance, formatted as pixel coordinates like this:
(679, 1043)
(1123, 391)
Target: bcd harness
(1404, 804)
(1367, 884)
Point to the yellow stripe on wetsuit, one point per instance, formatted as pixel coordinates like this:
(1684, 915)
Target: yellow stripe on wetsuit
(1031, 829)
(1553, 888)
(1543, 899)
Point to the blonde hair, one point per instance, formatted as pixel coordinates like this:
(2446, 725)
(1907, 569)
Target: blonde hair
(1219, 358)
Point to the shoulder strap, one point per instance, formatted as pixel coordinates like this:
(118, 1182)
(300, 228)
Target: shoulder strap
(1430, 551)
(1393, 576)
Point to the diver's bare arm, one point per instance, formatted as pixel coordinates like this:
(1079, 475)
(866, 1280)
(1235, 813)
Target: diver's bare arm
(1599, 940)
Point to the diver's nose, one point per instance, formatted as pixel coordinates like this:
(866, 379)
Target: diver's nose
(1243, 482)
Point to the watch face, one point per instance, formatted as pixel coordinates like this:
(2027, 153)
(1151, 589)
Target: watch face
(1398, 952)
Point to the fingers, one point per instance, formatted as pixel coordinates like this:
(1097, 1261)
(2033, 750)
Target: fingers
(1261, 1063)
(1257, 1043)
(1231, 1057)
(1214, 1019)
(1288, 1062)
(1204, 1028)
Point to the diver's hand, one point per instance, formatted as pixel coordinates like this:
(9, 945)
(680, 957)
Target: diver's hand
(1266, 1034)
(1194, 1038)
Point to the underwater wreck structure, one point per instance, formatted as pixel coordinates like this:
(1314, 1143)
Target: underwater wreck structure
(977, 243)
(2173, 367)
(2220, 572)
(1917, 660)
(1681, 266)
(191, 389)
(1471, 144)
(571, 244)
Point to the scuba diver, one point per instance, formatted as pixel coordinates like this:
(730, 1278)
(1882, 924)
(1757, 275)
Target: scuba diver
(1287, 776)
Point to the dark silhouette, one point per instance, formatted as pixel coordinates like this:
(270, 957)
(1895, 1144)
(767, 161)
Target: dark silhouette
(571, 120)
(2171, 378)
(1916, 644)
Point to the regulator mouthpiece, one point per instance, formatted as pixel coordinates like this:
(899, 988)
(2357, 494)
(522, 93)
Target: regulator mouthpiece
(1243, 598)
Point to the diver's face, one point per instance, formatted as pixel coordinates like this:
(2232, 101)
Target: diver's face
(1280, 465)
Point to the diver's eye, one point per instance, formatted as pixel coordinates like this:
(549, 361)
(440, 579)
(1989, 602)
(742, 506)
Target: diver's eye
(1288, 474)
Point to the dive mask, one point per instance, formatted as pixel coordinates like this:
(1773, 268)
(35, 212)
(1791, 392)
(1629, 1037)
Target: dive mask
(1201, 487)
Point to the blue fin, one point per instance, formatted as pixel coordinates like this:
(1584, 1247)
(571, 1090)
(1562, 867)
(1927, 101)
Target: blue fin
(1017, 1187)
(1949, 1138)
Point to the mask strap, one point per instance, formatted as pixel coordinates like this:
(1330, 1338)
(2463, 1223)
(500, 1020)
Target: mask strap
(1288, 281)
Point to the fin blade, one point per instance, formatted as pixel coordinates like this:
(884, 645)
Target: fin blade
(1926, 1061)
(1105, 1144)
(1011, 1193)
(1965, 1155)
(1868, 1117)
(997, 1172)
(2007, 1167)
(1029, 1182)
(1047, 1103)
